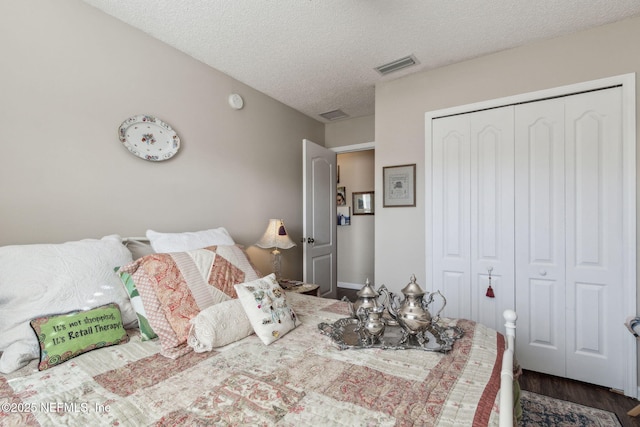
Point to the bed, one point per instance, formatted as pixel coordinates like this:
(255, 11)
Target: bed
(297, 377)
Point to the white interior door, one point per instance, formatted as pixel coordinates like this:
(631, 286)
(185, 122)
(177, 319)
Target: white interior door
(540, 236)
(492, 215)
(319, 218)
(451, 234)
(594, 238)
(574, 200)
(569, 237)
(473, 214)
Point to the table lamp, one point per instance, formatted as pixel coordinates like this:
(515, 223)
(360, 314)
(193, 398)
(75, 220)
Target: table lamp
(276, 237)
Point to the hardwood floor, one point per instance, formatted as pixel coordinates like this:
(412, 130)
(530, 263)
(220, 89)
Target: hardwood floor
(351, 294)
(582, 393)
(565, 389)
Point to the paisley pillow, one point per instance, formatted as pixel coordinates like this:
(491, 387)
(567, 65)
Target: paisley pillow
(174, 287)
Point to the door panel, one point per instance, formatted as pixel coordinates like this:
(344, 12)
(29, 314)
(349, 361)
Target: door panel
(319, 219)
(594, 237)
(491, 214)
(451, 210)
(543, 331)
(540, 235)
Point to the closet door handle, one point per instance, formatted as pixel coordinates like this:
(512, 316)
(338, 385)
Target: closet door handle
(543, 272)
(310, 240)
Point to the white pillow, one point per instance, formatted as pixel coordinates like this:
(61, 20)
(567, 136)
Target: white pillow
(43, 279)
(219, 325)
(188, 241)
(266, 306)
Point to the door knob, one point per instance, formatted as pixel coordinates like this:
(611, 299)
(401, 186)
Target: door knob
(543, 272)
(310, 240)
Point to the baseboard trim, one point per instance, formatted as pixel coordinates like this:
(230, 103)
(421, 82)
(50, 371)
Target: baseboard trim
(346, 285)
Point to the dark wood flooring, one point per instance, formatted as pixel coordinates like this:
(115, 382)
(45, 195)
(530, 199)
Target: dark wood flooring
(582, 393)
(566, 389)
(351, 294)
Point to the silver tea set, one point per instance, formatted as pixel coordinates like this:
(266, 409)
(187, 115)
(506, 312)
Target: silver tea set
(382, 319)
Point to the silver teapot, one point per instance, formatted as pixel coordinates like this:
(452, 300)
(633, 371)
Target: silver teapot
(367, 299)
(412, 313)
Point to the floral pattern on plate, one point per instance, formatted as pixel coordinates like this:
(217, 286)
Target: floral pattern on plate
(149, 138)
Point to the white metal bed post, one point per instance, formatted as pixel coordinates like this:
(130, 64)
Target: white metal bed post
(506, 375)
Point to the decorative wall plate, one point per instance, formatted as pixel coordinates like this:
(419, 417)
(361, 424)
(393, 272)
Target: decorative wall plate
(149, 138)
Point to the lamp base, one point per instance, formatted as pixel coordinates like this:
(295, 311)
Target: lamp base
(276, 263)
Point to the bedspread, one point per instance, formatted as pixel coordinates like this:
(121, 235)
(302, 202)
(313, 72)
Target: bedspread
(302, 379)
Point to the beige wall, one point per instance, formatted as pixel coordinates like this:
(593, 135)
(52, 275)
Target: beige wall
(72, 74)
(401, 105)
(358, 130)
(355, 242)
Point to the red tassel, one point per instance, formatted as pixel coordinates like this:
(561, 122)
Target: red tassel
(490, 293)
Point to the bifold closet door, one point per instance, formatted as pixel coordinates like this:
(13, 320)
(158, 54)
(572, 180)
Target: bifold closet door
(473, 213)
(594, 241)
(451, 232)
(540, 236)
(569, 243)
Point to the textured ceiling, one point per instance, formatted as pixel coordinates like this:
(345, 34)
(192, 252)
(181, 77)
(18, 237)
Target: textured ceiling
(319, 55)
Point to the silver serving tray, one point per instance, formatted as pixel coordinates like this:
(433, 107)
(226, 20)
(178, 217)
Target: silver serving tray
(344, 333)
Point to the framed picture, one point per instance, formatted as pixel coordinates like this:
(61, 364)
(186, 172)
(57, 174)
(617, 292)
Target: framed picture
(363, 203)
(341, 196)
(399, 186)
(344, 215)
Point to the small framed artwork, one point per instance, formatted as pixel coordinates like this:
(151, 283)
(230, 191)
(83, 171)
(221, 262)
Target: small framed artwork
(344, 215)
(363, 203)
(341, 196)
(399, 186)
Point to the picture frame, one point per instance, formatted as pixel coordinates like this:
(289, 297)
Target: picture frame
(363, 202)
(399, 186)
(341, 196)
(344, 215)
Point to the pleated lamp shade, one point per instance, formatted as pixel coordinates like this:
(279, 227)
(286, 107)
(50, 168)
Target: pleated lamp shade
(275, 236)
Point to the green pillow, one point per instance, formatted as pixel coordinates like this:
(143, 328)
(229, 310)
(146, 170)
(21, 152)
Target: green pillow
(65, 336)
(146, 332)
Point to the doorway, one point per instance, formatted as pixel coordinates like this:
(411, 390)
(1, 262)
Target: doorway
(355, 232)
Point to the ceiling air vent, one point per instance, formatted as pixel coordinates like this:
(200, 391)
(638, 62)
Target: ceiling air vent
(334, 115)
(396, 65)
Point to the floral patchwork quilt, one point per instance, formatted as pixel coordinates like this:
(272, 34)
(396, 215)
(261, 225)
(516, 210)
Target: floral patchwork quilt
(302, 379)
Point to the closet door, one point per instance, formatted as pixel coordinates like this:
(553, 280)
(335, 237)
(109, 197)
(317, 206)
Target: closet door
(569, 272)
(570, 183)
(473, 213)
(451, 214)
(540, 236)
(492, 215)
(594, 241)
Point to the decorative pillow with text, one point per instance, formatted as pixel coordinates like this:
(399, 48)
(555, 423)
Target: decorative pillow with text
(65, 336)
